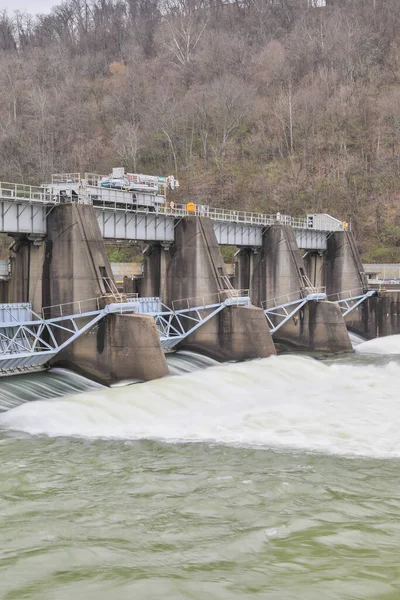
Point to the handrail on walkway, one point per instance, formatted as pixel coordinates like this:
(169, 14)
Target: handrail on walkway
(234, 295)
(79, 307)
(319, 292)
(30, 193)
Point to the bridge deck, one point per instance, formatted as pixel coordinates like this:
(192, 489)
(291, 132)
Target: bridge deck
(23, 209)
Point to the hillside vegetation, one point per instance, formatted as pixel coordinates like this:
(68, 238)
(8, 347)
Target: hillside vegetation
(257, 104)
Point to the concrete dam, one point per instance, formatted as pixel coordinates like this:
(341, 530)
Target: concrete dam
(298, 283)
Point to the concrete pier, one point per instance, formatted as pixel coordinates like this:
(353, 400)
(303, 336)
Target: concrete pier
(76, 268)
(319, 327)
(194, 269)
(76, 265)
(315, 266)
(278, 267)
(280, 273)
(344, 270)
(120, 347)
(236, 333)
(244, 267)
(155, 262)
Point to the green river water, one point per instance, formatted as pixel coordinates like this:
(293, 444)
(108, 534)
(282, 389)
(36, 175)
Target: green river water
(274, 479)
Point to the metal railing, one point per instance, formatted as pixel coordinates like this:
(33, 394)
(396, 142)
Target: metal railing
(57, 178)
(79, 307)
(351, 299)
(344, 295)
(286, 299)
(208, 300)
(222, 215)
(30, 193)
(89, 191)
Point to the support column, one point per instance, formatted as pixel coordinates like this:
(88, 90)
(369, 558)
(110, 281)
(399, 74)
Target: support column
(155, 266)
(27, 258)
(76, 265)
(314, 263)
(244, 267)
(195, 267)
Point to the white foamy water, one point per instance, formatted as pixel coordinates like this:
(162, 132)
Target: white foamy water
(384, 345)
(279, 402)
(355, 339)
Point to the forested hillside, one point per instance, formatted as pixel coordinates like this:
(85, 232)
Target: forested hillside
(256, 104)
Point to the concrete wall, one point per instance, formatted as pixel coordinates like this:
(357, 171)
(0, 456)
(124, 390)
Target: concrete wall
(344, 270)
(119, 347)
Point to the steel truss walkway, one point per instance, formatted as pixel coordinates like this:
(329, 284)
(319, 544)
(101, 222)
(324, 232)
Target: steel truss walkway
(351, 299)
(279, 311)
(29, 341)
(186, 316)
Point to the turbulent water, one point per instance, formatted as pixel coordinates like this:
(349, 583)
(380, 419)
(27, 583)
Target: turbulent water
(17, 389)
(272, 479)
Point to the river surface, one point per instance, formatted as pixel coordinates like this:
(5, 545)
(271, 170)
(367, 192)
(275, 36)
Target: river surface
(273, 479)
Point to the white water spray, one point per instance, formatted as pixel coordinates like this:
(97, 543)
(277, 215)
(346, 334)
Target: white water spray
(384, 345)
(279, 402)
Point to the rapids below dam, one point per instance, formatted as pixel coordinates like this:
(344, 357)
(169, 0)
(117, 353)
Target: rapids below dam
(271, 479)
